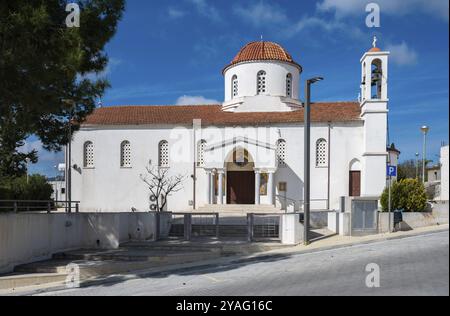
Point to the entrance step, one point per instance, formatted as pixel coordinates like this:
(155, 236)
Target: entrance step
(214, 208)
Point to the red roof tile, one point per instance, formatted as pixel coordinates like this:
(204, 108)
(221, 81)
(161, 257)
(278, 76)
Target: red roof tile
(212, 115)
(255, 51)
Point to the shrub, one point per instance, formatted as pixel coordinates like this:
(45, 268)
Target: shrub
(36, 189)
(408, 195)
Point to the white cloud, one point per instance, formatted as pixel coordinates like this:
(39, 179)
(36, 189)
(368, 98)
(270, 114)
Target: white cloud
(436, 8)
(207, 10)
(113, 63)
(261, 14)
(402, 54)
(195, 100)
(175, 13)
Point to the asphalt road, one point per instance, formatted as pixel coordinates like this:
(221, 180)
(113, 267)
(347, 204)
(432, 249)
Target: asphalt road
(412, 266)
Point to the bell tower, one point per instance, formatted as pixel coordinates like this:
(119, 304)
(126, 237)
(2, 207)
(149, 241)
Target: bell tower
(374, 112)
(374, 84)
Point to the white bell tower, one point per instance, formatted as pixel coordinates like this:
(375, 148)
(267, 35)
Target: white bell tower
(374, 112)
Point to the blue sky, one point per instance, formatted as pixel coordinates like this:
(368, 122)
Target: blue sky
(173, 51)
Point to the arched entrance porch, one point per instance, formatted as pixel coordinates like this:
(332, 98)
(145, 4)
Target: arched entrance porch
(240, 171)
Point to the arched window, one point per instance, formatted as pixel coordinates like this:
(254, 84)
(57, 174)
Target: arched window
(235, 86)
(201, 153)
(88, 155)
(163, 154)
(281, 152)
(321, 153)
(261, 87)
(125, 154)
(289, 85)
(377, 79)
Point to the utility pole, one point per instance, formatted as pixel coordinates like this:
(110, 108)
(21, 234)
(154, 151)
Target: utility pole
(425, 130)
(417, 166)
(307, 150)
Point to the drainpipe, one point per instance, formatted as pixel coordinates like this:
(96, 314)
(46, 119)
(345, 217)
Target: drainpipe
(329, 166)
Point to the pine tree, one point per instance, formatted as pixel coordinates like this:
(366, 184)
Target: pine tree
(46, 71)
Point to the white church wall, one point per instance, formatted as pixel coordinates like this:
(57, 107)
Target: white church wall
(109, 188)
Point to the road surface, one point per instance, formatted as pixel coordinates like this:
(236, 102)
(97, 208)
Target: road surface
(411, 266)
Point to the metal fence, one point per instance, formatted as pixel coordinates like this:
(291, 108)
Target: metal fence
(17, 206)
(264, 227)
(189, 225)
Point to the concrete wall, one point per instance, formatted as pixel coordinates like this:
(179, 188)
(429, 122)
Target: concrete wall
(26, 238)
(438, 216)
(291, 230)
(444, 173)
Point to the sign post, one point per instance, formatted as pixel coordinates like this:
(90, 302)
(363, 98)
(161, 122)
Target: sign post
(391, 172)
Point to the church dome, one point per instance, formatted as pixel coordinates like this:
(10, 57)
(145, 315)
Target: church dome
(262, 51)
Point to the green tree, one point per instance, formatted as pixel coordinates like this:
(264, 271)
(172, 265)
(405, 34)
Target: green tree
(408, 195)
(407, 170)
(46, 71)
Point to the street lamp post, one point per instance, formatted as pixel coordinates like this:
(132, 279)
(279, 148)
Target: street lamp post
(417, 166)
(425, 130)
(72, 103)
(307, 150)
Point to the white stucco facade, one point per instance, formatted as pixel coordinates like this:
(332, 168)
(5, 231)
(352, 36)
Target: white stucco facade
(444, 173)
(347, 156)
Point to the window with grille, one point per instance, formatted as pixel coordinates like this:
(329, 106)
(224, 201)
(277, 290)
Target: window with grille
(289, 86)
(235, 85)
(201, 153)
(281, 152)
(261, 82)
(88, 155)
(125, 154)
(321, 153)
(164, 154)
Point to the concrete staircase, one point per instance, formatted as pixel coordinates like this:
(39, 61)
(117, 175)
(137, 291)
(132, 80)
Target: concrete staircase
(129, 258)
(239, 209)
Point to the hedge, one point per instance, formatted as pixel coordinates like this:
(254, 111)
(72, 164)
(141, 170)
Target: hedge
(408, 195)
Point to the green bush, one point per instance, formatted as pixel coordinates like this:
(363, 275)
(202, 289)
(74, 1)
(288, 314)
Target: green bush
(408, 195)
(36, 189)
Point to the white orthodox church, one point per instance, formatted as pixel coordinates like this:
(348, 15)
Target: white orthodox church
(247, 150)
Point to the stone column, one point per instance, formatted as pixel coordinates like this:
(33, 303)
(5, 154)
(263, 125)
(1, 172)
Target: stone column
(257, 187)
(270, 188)
(208, 186)
(220, 188)
(212, 189)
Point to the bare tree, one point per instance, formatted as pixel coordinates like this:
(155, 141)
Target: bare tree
(161, 184)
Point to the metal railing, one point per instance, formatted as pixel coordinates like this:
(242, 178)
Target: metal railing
(17, 206)
(198, 224)
(264, 226)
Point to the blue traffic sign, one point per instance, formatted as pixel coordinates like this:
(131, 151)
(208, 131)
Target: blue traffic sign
(391, 171)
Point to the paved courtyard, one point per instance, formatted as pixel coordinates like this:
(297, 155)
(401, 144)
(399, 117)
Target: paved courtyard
(411, 266)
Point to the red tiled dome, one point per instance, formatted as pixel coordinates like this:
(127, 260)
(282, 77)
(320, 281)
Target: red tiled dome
(256, 51)
(374, 50)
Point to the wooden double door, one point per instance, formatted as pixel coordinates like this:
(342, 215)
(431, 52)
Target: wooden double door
(240, 187)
